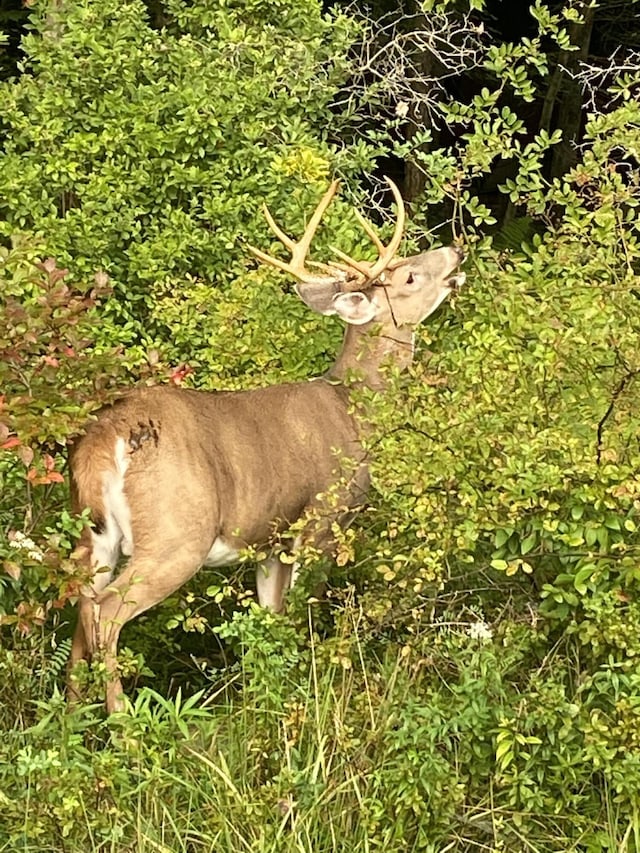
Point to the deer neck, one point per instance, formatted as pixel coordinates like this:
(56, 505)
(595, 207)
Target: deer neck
(366, 349)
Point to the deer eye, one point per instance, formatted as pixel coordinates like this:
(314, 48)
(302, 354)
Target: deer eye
(410, 280)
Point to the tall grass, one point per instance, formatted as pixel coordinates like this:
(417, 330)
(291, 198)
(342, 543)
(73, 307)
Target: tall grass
(335, 744)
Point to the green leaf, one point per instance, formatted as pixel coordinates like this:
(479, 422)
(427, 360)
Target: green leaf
(528, 543)
(583, 575)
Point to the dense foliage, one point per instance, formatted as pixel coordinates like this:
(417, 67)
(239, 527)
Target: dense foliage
(148, 154)
(471, 680)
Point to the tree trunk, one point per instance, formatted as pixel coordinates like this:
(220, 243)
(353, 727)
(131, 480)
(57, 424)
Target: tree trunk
(564, 97)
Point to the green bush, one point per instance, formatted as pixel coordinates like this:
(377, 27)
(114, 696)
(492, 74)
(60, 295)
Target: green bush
(148, 153)
(471, 679)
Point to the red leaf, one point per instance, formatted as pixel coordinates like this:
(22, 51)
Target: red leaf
(14, 441)
(50, 361)
(56, 275)
(179, 373)
(53, 477)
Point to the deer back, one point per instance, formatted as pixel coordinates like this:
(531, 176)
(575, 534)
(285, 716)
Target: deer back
(233, 464)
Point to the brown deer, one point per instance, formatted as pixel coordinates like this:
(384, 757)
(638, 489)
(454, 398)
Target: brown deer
(176, 479)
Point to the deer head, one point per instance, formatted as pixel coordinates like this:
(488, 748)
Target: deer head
(395, 293)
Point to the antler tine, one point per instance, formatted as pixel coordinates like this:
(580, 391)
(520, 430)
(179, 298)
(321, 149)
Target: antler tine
(370, 232)
(284, 238)
(303, 244)
(386, 256)
(299, 248)
(386, 253)
(272, 262)
(359, 266)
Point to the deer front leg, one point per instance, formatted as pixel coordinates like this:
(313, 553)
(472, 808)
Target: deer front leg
(273, 578)
(322, 530)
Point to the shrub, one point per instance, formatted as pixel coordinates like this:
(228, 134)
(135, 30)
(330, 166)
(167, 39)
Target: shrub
(472, 677)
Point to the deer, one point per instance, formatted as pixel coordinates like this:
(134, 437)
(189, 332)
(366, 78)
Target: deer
(175, 479)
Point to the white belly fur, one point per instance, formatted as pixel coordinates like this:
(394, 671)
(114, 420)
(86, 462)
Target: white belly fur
(221, 554)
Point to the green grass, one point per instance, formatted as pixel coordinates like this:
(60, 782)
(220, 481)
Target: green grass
(348, 743)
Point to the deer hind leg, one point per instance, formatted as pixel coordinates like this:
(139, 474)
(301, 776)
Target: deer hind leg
(146, 581)
(101, 551)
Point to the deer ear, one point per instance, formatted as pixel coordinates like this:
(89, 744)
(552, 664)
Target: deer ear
(355, 308)
(319, 295)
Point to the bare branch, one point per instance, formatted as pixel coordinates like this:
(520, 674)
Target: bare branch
(598, 78)
(403, 60)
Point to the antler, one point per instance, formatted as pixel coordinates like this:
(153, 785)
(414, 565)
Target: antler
(386, 253)
(299, 249)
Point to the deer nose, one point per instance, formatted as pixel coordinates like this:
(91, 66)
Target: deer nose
(460, 253)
